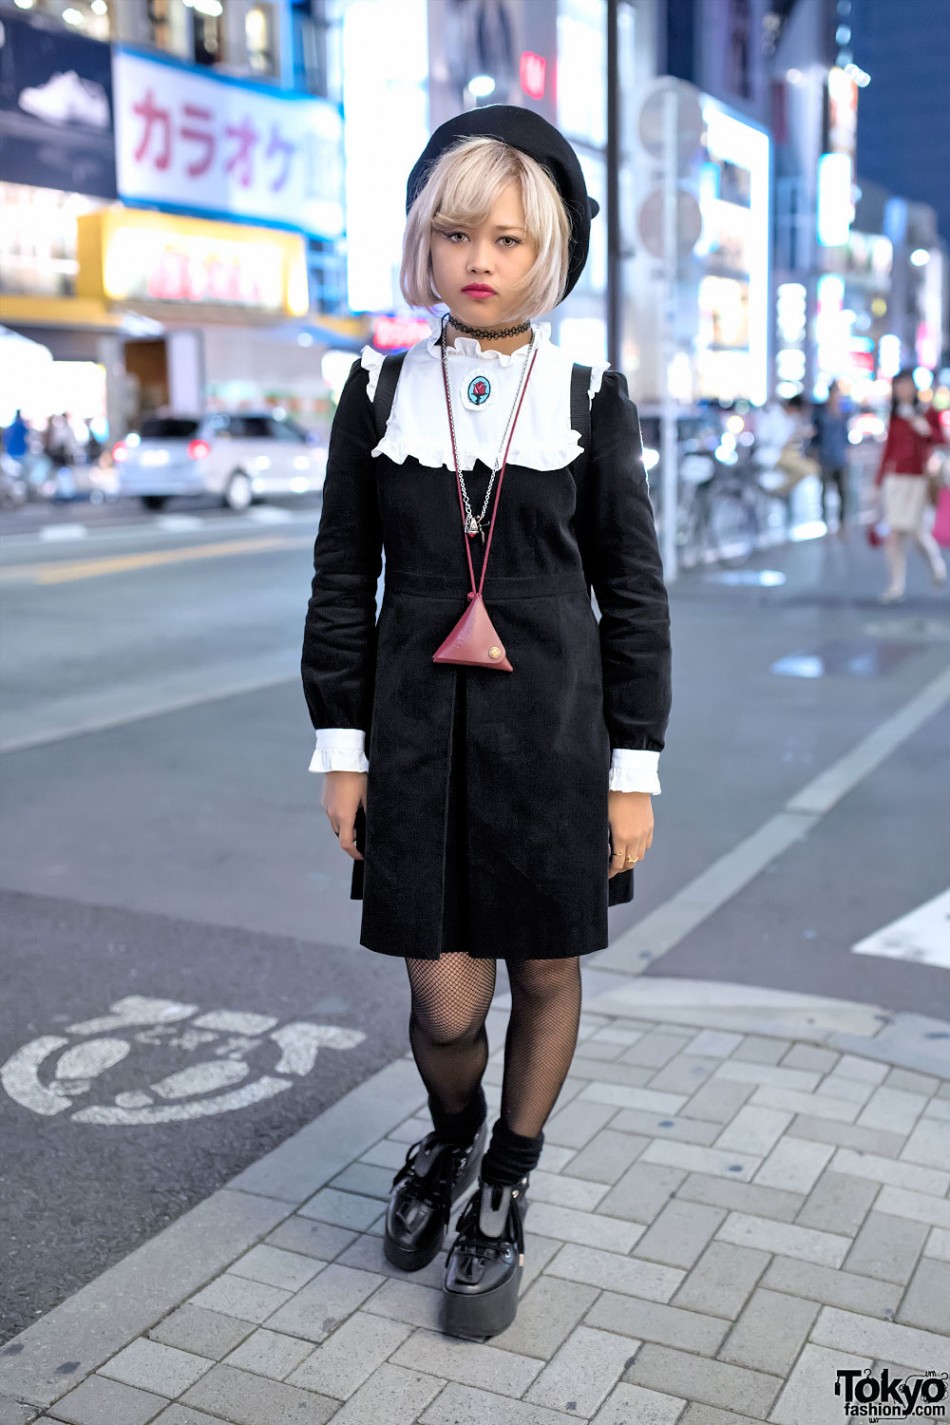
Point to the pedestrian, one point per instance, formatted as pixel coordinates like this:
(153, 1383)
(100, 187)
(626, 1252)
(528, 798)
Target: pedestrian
(59, 443)
(16, 437)
(496, 802)
(912, 436)
(832, 449)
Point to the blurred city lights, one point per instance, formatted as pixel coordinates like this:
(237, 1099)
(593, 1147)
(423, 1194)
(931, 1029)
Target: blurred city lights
(920, 257)
(481, 85)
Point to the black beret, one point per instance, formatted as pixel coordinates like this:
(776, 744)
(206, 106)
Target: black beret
(527, 131)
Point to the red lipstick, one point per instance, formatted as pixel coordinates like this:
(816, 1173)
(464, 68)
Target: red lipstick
(479, 289)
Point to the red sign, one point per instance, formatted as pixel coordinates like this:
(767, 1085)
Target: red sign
(532, 72)
(396, 333)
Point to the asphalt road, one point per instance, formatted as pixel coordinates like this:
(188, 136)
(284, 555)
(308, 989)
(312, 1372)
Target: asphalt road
(164, 851)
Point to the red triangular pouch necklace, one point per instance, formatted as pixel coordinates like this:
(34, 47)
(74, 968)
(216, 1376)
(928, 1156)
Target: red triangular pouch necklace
(474, 641)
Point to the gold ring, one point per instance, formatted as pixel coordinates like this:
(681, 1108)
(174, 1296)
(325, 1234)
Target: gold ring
(632, 860)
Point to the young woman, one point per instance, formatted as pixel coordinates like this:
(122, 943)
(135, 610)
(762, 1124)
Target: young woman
(494, 803)
(902, 478)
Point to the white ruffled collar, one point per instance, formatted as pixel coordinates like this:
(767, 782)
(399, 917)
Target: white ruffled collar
(471, 347)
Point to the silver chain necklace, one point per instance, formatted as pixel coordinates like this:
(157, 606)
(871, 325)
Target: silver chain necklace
(474, 523)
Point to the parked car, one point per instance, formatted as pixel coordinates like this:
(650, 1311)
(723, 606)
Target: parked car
(238, 457)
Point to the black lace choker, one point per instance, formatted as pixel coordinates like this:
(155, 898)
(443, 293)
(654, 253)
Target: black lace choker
(489, 333)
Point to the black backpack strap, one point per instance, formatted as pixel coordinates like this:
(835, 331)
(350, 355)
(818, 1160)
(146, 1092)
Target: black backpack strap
(386, 391)
(580, 411)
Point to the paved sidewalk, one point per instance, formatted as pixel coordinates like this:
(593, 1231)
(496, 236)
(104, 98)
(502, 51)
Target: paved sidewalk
(730, 1209)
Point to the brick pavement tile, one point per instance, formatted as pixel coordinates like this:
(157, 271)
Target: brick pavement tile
(684, 1074)
(606, 1157)
(770, 1332)
(621, 1075)
(761, 1049)
(276, 1267)
(839, 1110)
(538, 1252)
(615, 1272)
(652, 1321)
(887, 1247)
(662, 1125)
(912, 1082)
(929, 1144)
(405, 1301)
(679, 1236)
(927, 1302)
(547, 1313)
(795, 1164)
(318, 1308)
(341, 1209)
(854, 1090)
(349, 1356)
(938, 1244)
(100, 1401)
(691, 1158)
(938, 1109)
(268, 1353)
(909, 1346)
(366, 1254)
(711, 1382)
(619, 1034)
(619, 1096)
(655, 1049)
(206, 1333)
(892, 1110)
(809, 1394)
(577, 1192)
(770, 1075)
(311, 1238)
(628, 1403)
(576, 1124)
(582, 1372)
(246, 1399)
(846, 1135)
(391, 1396)
(722, 1280)
(832, 1287)
(708, 1415)
(464, 1405)
(366, 1178)
(181, 1415)
(600, 1050)
(852, 1066)
(556, 1159)
(642, 1192)
(808, 1056)
(13, 1414)
(741, 1197)
(828, 1249)
(895, 1173)
(944, 1090)
(387, 1153)
(236, 1296)
(148, 1365)
(718, 1101)
(591, 1229)
(838, 1203)
(754, 1130)
(916, 1205)
(468, 1362)
(716, 1043)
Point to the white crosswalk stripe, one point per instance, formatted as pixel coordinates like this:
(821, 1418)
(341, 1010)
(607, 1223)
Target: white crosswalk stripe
(923, 935)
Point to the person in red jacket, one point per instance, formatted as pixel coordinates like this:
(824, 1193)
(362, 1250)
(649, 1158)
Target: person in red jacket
(902, 477)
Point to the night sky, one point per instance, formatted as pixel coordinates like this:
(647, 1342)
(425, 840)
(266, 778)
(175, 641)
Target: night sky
(904, 113)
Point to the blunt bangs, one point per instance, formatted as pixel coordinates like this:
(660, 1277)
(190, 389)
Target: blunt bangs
(460, 191)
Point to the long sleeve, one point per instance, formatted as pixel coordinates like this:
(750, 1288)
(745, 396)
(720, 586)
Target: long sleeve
(338, 663)
(617, 538)
(885, 453)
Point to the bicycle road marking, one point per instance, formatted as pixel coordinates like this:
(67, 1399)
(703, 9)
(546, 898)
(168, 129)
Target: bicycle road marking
(922, 935)
(108, 1058)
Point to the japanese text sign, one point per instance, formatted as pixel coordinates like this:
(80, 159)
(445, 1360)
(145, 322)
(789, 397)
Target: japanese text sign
(213, 145)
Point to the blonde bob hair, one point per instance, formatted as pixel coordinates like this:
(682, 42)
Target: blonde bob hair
(460, 191)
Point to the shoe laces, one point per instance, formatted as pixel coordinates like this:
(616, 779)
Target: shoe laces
(472, 1240)
(434, 1187)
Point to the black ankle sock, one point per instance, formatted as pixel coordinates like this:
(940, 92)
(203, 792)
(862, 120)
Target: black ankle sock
(510, 1156)
(459, 1127)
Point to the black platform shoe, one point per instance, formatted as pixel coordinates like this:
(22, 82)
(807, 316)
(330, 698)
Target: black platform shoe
(434, 1174)
(484, 1265)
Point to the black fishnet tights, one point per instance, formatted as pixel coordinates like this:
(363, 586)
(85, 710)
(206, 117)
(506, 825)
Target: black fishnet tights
(450, 1001)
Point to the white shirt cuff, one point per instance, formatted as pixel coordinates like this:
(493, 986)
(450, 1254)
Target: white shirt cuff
(340, 749)
(634, 770)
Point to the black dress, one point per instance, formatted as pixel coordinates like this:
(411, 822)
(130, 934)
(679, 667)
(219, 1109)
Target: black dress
(486, 824)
